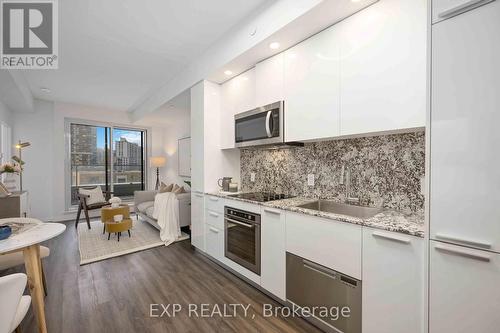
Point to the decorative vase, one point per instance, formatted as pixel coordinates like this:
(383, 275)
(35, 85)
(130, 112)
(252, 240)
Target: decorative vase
(115, 202)
(10, 181)
(5, 231)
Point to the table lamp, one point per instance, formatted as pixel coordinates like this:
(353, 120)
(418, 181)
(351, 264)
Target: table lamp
(157, 162)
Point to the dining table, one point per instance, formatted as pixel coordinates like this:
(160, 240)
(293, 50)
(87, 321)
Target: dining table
(27, 235)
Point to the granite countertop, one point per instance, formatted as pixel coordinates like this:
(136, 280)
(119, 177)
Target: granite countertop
(390, 220)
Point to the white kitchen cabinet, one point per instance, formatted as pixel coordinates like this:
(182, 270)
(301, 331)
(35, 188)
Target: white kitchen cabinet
(383, 67)
(208, 162)
(198, 220)
(269, 80)
(336, 245)
(238, 95)
(465, 191)
(213, 218)
(393, 282)
(215, 242)
(273, 252)
(464, 293)
(444, 9)
(312, 87)
(214, 203)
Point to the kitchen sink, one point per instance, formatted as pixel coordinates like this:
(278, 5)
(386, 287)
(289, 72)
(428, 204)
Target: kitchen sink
(343, 209)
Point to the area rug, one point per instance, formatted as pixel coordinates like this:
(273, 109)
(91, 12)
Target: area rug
(95, 246)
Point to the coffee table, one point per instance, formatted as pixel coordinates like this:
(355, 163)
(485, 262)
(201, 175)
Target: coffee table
(110, 226)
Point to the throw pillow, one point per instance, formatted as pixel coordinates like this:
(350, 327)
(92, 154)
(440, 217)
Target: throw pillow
(179, 190)
(166, 188)
(94, 195)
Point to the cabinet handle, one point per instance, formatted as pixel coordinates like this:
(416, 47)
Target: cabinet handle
(213, 214)
(199, 195)
(214, 198)
(462, 253)
(461, 8)
(214, 230)
(391, 237)
(464, 241)
(272, 211)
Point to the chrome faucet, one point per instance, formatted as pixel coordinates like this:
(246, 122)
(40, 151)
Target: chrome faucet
(346, 173)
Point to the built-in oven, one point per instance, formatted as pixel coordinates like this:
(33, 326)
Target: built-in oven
(242, 241)
(260, 126)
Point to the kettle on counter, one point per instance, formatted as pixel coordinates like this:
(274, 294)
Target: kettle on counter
(224, 183)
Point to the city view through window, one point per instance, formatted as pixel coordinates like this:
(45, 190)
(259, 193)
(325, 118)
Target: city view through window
(112, 158)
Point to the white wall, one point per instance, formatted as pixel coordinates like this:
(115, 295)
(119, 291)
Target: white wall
(5, 114)
(180, 128)
(45, 173)
(39, 170)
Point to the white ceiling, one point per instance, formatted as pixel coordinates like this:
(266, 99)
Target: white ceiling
(111, 53)
(177, 109)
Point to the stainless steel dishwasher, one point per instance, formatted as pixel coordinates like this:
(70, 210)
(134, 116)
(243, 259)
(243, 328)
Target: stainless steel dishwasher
(311, 285)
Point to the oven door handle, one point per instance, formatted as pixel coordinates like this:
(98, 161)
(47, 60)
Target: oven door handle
(268, 124)
(240, 223)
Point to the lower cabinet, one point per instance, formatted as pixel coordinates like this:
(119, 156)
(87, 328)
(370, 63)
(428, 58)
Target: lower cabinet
(464, 293)
(215, 242)
(393, 283)
(335, 245)
(273, 258)
(198, 220)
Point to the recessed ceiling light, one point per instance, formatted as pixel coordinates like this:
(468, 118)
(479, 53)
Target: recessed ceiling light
(274, 45)
(228, 72)
(45, 90)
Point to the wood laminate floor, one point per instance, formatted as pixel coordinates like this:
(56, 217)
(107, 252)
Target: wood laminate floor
(114, 295)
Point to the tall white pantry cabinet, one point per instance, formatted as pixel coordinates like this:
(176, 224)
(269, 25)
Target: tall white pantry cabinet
(465, 176)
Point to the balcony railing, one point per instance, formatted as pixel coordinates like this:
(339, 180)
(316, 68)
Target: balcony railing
(126, 179)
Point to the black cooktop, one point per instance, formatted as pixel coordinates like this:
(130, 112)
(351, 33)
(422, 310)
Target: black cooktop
(262, 196)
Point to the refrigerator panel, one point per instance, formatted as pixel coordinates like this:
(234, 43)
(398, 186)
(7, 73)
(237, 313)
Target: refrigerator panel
(465, 129)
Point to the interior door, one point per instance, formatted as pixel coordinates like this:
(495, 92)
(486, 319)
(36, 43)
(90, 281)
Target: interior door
(465, 157)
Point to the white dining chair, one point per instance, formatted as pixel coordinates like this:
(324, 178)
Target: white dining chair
(16, 258)
(13, 304)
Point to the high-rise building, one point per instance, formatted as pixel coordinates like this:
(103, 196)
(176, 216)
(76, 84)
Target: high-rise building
(127, 153)
(83, 145)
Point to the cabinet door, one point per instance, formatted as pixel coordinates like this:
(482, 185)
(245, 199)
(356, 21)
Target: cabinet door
(383, 80)
(273, 258)
(198, 221)
(215, 242)
(444, 9)
(465, 178)
(393, 282)
(269, 80)
(312, 87)
(238, 95)
(464, 294)
(336, 245)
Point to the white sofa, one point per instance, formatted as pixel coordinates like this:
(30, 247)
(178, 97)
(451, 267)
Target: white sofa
(144, 205)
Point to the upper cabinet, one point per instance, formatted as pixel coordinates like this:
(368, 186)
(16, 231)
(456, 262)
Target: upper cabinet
(366, 74)
(269, 80)
(238, 95)
(312, 87)
(383, 69)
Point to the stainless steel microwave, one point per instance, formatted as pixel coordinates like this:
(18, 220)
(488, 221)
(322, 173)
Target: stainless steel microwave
(260, 126)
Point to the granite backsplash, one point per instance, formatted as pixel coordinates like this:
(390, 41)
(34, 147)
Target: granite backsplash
(385, 170)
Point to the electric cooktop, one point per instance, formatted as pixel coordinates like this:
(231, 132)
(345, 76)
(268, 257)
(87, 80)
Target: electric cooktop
(262, 196)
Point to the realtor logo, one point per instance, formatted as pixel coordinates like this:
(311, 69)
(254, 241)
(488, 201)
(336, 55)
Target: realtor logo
(29, 34)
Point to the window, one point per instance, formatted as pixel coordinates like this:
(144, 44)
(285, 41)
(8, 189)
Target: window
(109, 157)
